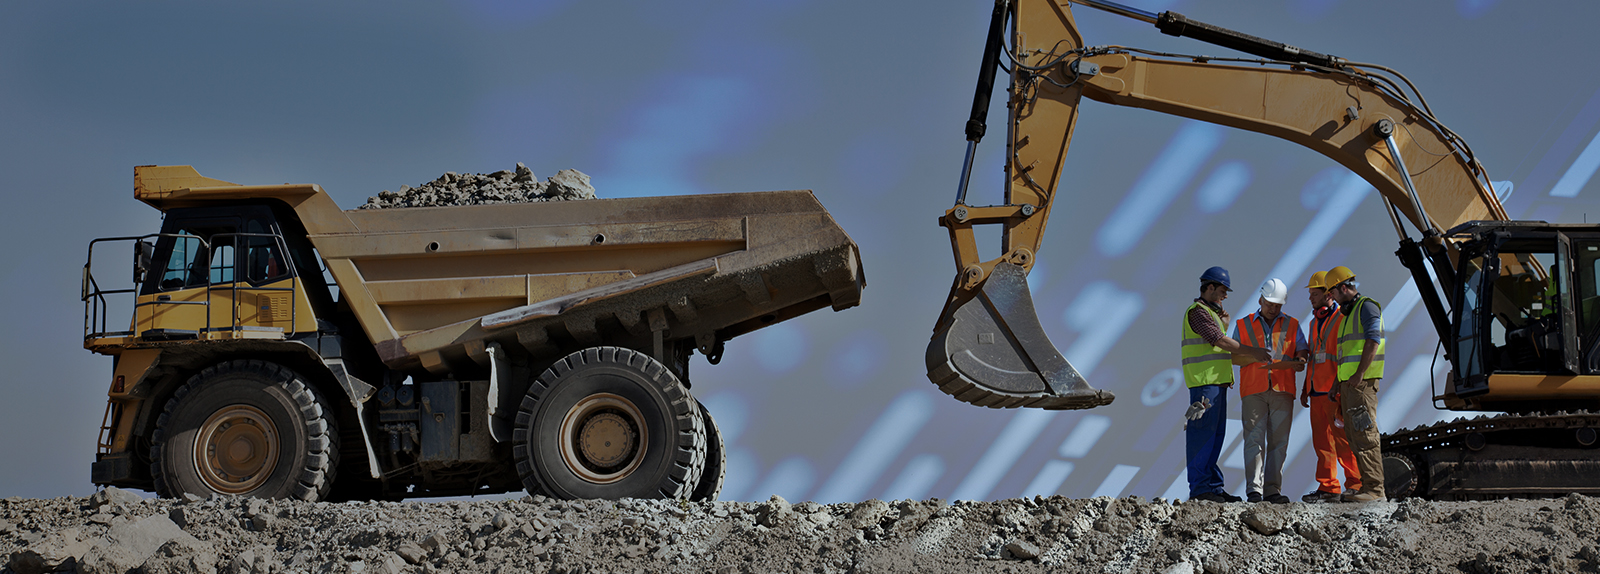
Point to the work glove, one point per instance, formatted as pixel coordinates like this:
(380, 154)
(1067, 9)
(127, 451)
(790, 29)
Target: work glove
(1196, 410)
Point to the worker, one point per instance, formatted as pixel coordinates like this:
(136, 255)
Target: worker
(1267, 390)
(1360, 368)
(1208, 372)
(1327, 434)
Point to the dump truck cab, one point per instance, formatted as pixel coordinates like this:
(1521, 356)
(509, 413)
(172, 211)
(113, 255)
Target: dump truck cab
(456, 350)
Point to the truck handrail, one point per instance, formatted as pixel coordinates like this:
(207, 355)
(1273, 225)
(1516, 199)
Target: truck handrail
(96, 306)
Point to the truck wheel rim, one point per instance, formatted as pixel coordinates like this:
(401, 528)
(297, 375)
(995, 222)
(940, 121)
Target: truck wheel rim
(237, 449)
(603, 438)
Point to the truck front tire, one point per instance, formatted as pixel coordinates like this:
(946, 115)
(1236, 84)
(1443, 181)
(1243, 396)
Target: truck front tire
(248, 428)
(609, 422)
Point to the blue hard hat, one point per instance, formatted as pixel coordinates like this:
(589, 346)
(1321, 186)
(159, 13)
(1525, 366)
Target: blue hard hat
(1216, 275)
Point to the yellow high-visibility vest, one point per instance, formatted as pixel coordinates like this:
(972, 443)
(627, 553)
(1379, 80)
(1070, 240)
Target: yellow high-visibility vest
(1204, 363)
(1353, 340)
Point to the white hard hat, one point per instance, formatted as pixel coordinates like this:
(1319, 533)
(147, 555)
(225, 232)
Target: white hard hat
(1274, 291)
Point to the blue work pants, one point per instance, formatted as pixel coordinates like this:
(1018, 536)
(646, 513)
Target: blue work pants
(1203, 440)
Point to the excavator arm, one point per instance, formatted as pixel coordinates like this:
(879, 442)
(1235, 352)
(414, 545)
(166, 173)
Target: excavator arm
(988, 348)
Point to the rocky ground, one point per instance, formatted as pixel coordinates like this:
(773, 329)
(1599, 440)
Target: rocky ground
(504, 186)
(116, 531)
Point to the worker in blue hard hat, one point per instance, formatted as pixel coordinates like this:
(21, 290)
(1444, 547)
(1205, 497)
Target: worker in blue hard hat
(1208, 372)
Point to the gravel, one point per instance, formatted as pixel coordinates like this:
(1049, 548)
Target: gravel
(540, 535)
(504, 186)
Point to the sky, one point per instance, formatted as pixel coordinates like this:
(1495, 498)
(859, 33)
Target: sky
(862, 102)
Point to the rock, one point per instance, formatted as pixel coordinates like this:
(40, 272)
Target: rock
(6, 527)
(1022, 550)
(356, 567)
(182, 557)
(868, 514)
(1265, 521)
(501, 521)
(411, 552)
(128, 545)
(436, 543)
(58, 551)
(1311, 532)
(243, 563)
(190, 498)
(570, 530)
(260, 523)
(180, 517)
(820, 519)
(391, 564)
(478, 189)
(570, 184)
(114, 496)
(1179, 568)
(253, 507)
(101, 518)
(774, 512)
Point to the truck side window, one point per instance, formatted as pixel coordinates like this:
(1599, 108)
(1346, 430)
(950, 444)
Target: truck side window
(222, 260)
(186, 264)
(264, 261)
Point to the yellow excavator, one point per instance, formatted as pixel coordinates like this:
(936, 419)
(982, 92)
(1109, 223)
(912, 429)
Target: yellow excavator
(1515, 303)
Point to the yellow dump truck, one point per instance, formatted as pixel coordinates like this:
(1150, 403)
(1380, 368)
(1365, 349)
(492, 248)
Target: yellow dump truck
(282, 347)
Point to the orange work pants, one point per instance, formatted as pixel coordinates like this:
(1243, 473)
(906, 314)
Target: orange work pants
(1331, 445)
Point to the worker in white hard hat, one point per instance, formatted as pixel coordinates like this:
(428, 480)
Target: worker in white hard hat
(1267, 391)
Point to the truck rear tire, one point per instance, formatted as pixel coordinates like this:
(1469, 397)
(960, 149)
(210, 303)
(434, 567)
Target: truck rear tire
(709, 487)
(248, 428)
(608, 422)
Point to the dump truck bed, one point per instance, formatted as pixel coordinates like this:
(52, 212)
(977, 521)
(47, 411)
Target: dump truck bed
(432, 285)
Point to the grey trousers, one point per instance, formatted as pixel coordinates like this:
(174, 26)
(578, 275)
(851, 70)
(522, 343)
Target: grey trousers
(1266, 416)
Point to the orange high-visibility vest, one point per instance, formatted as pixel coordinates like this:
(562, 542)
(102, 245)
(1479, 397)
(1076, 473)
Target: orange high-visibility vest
(1253, 377)
(1323, 371)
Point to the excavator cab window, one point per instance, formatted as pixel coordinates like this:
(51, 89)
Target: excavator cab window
(1586, 254)
(1511, 310)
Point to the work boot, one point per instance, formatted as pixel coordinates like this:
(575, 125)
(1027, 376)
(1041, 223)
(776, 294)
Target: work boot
(1215, 497)
(1362, 497)
(1276, 498)
(1320, 495)
(1253, 497)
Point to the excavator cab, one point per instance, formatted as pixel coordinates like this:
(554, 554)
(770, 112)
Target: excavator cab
(1526, 305)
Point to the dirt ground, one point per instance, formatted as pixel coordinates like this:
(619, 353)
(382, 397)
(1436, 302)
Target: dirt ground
(116, 531)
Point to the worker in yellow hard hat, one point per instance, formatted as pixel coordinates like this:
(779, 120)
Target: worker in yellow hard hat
(1327, 437)
(1361, 346)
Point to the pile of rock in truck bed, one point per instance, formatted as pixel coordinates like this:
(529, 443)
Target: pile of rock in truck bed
(504, 186)
(117, 531)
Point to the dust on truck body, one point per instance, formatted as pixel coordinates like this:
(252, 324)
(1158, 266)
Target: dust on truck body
(457, 350)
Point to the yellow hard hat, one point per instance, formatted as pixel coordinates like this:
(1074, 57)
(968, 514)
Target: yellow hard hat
(1316, 281)
(1337, 275)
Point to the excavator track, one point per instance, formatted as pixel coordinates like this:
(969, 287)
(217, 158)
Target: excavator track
(1512, 455)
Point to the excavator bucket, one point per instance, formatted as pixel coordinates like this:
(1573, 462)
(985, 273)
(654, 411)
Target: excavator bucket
(991, 351)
